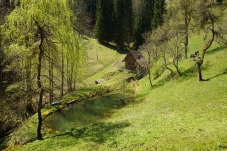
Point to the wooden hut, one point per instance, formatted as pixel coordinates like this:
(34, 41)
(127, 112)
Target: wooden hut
(99, 81)
(134, 60)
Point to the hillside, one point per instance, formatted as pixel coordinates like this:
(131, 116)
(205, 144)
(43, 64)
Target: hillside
(179, 113)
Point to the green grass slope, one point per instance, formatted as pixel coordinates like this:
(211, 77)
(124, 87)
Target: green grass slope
(180, 114)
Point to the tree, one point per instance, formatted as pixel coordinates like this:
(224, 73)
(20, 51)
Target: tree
(187, 7)
(122, 21)
(210, 21)
(159, 9)
(206, 17)
(1, 63)
(119, 22)
(143, 13)
(104, 21)
(182, 12)
(43, 25)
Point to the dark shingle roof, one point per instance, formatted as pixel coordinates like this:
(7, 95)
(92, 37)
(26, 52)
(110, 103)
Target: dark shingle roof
(137, 55)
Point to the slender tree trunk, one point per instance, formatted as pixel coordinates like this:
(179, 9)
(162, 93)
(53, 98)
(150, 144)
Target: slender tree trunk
(199, 62)
(164, 58)
(29, 108)
(50, 78)
(199, 72)
(186, 22)
(149, 66)
(1, 67)
(1, 77)
(39, 83)
(176, 59)
(71, 75)
(178, 71)
(39, 135)
(62, 72)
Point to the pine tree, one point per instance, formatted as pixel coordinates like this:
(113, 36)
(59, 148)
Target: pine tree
(119, 21)
(158, 11)
(122, 21)
(143, 13)
(104, 21)
(128, 21)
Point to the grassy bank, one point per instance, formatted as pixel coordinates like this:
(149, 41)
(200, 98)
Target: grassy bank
(178, 114)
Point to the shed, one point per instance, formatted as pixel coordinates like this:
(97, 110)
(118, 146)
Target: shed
(99, 81)
(134, 59)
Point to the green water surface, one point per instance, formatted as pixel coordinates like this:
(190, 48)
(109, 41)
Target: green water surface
(84, 113)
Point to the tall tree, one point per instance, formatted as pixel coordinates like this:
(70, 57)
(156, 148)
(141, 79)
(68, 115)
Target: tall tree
(128, 21)
(158, 11)
(122, 21)
(104, 29)
(182, 12)
(43, 24)
(1, 63)
(208, 21)
(187, 7)
(143, 13)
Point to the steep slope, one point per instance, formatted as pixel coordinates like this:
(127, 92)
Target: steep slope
(180, 114)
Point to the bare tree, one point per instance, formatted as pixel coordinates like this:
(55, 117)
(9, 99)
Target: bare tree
(210, 23)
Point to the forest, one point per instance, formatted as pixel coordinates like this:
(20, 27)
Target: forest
(44, 52)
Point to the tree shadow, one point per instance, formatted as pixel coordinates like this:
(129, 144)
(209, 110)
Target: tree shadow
(217, 49)
(120, 50)
(97, 133)
(225, 72)
(189, 72)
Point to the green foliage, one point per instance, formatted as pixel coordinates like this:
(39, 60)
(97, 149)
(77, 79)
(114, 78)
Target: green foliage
(178, 114)
(143, 12)
(158, 11)
(122, 21)
(104, 26)
(157, 68)
(59, 32)
(190, 115)
(43, 44)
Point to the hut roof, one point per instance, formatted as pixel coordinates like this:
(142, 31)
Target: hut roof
(137, 55)
(99, 81)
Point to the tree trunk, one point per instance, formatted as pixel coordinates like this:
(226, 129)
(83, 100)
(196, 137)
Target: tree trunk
(39, 83)
(149, 71)
(186, 22)
(1, 67)
(51, 79)
(199, 62)
(164, 58)
(199, 72)
(62, 72)
(178, 71)
(149, 67)
(28, 82)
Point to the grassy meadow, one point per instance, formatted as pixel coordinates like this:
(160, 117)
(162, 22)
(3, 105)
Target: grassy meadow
(178, 113)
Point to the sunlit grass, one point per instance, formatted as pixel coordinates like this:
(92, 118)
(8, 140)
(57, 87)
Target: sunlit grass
(180, 114)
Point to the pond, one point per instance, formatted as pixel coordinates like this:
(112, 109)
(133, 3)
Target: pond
(85, 112)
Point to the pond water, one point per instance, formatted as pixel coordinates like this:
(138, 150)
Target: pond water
(84, 113)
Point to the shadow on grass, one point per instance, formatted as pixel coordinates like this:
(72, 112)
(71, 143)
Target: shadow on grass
(225, 72)
(192, 71)
(119, 50)
(189, 72)
(216, 49)
(98, 132)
